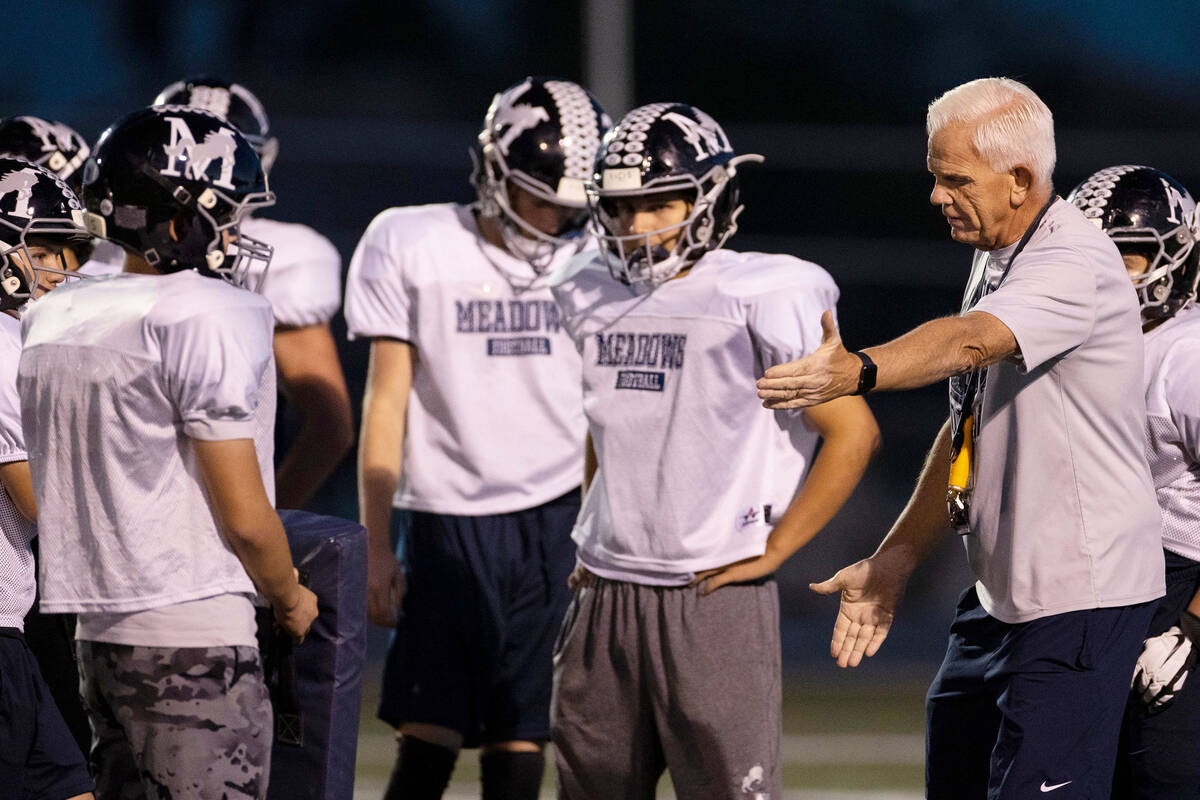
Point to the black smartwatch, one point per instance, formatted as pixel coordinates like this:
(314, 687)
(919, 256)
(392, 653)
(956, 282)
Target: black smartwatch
(866, 375)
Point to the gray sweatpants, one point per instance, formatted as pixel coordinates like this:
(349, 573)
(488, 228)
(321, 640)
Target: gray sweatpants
(177, 722)
(649, 677)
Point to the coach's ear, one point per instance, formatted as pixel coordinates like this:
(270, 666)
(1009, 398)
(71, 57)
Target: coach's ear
(1022, 182)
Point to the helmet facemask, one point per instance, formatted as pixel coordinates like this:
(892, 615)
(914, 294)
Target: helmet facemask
(21, 273)
(1169, 257)
(635, 259)
(491, 178)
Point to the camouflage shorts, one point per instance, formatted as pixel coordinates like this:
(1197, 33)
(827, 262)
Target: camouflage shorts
(187, 722)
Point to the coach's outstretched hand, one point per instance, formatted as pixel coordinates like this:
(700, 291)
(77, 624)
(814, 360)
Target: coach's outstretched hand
(827, 373)
(385, 589)
(871, 589)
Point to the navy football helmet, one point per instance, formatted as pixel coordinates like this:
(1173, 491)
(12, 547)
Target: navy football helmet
(658, 148)
(35, 204)
(48, 144)
(541, 135)
(1146, 211)
(232, 101)
(172, 184)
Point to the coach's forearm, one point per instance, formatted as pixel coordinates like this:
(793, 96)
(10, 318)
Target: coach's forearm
(924, 521)
(941, 348)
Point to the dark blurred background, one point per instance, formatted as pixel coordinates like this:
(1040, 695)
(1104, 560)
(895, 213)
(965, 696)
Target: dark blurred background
(375, 104)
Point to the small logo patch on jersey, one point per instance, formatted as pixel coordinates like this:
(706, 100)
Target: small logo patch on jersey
(637, 379)
(519, 346)
(755, 515)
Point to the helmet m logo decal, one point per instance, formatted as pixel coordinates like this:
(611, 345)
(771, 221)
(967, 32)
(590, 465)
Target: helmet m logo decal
(197, 157)
(1175, 199)
(703, 134)
(54, 135)
(22, 183)
(519, 119)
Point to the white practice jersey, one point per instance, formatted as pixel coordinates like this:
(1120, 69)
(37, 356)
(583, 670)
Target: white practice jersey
(692, 471)
(495, 418)
(17, 587)
(1173, 427)
(107, 259)
(117, 376)
(304, 280)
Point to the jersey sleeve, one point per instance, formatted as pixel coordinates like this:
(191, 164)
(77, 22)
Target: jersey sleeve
(213, 363)
(1181, 390)
(378, 301)
(305, 288)
(12, 440)
(1049, 302)
(785, 324)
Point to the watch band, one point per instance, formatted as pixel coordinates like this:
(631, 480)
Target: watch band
(866, 375)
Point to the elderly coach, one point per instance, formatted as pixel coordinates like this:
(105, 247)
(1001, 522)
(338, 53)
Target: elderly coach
(1040, 467)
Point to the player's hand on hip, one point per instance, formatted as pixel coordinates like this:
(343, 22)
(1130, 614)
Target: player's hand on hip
(1163, 668)
(871, 590)
(827, 373)
(744, 571)
(385, 589)
(295, 612)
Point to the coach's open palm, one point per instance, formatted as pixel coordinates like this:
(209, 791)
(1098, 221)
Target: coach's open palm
(871, 589)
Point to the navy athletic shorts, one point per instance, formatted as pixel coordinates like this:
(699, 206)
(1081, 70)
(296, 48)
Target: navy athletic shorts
(484, 600)
(1031, 709)
(38, 754)
(1159, 756)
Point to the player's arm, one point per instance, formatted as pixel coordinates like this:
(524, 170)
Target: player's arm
(850, 436)
(927, 354)
(15, 478)
(872, 588)
(310, 375)
(380, 457)
(239, 503)
(589, 462)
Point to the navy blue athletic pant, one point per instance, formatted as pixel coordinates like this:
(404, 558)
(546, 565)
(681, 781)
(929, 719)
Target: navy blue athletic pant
(1031, 709)
(484, 601)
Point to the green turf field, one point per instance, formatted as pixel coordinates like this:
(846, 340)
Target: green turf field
(847, 736)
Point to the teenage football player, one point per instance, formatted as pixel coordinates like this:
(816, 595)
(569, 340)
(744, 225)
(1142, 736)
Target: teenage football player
(147, 400)
(41, 225)
(670, 655)
(1151, 218)
(51, 637)
(62, 150)
(304, 286)
(472, 420)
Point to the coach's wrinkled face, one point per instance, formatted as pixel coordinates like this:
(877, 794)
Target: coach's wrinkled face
(978, 202)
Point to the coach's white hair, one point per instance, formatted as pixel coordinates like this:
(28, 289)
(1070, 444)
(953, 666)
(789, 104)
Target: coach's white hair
(1012, 124)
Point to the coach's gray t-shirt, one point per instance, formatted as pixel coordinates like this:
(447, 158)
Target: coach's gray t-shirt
(1063, 515)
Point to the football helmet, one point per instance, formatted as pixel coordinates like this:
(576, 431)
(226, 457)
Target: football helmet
(1147, 211)
(172, 184)
(48, 144)
(34, 204)
(232, 101)
(665, 147)
(540, 135)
